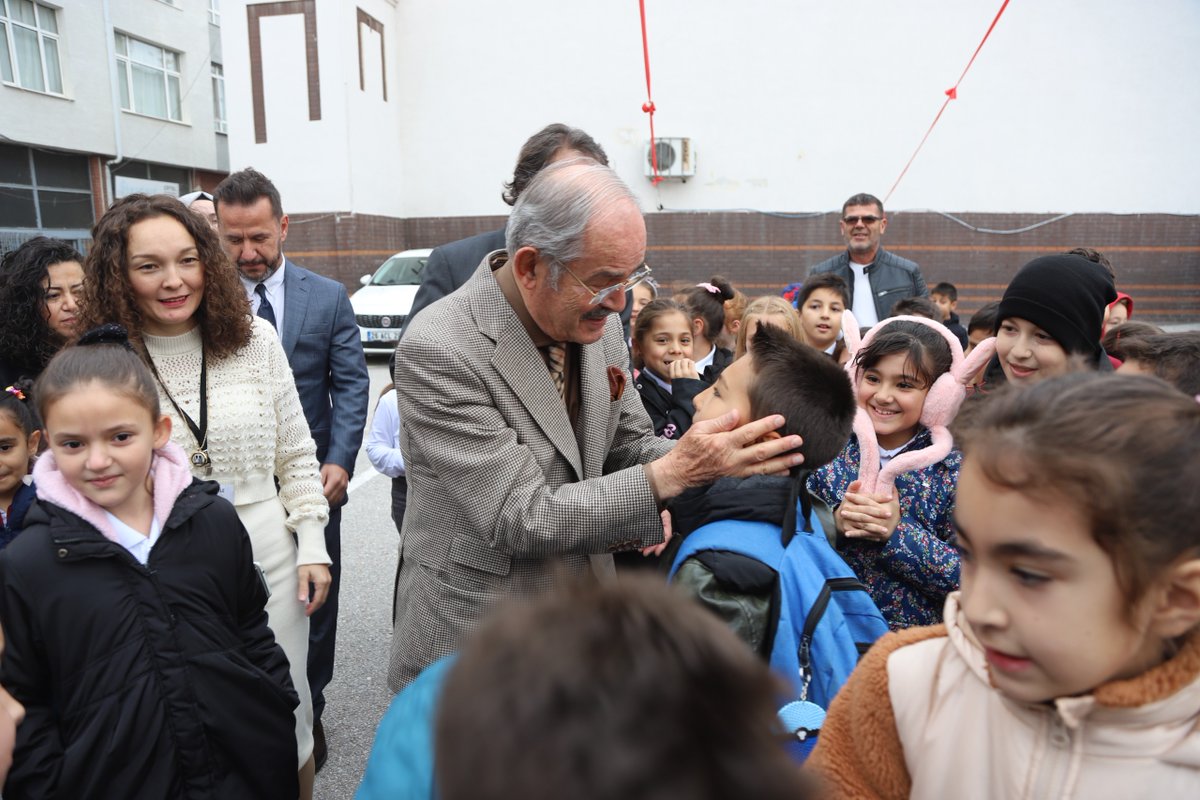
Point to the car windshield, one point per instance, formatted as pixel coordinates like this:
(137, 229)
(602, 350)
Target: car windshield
(400, 271)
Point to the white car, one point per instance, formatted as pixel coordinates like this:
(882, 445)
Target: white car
(382, 305)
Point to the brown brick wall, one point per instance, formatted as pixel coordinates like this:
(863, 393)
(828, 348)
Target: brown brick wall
(1157, 256)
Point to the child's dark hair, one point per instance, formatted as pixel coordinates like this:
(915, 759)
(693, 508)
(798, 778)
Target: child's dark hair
(1124, 450)
(916, 307)
(1092, 254)
(808, 388)
(102, 356)
(823, 280)
(928, 354)
(707, 303)
(17, 402)
(614, 690)
(652, 311)
(985, 318)
(947, 290)
(1118, 337)
(1174, 357)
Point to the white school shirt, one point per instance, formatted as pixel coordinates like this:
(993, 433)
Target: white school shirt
(703, 363)
(383, 439)
(887, 455)
(136, 542)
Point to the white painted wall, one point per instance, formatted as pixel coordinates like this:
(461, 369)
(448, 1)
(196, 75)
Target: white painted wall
(1072, 105)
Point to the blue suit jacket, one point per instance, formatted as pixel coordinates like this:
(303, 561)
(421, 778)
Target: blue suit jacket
(320, 338)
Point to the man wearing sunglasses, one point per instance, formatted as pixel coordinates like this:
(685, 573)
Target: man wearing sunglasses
(529, 455)
(876, 278)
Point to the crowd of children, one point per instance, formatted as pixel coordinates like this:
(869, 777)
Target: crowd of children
(1043, 596)
(1067, 658)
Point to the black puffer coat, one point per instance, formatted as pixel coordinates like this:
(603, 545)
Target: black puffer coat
(156, 681)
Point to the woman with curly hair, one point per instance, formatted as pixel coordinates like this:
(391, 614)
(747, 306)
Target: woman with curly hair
(159, 270)
(40, 283)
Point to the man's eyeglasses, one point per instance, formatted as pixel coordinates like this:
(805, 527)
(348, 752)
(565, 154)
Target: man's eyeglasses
(639, 275)
(870, 219)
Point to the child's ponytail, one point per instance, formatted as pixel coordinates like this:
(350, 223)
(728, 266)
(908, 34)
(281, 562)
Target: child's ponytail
(16, 401)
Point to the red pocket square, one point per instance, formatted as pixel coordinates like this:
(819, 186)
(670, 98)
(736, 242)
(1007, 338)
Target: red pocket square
(616, 383)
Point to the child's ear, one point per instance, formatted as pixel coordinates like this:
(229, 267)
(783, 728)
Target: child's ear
(162, 431)
(35, 439)
(768, 436)
(1177, 609)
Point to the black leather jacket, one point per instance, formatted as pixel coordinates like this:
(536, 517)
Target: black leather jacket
(892, 278)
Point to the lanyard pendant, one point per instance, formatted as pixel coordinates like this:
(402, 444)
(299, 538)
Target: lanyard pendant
(200, 459)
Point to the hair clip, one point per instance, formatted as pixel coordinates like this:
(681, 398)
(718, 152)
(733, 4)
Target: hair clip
(108, 333)
(15, 392)
(708, 287)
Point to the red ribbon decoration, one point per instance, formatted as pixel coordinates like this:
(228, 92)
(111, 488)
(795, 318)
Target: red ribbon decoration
(648, 106)
(951, 94)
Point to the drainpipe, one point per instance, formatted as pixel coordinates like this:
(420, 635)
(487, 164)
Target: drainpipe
(116, 104)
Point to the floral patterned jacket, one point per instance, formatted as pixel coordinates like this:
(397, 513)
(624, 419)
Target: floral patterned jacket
(910, 575)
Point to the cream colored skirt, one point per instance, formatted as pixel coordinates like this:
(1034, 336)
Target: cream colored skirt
(275, 549)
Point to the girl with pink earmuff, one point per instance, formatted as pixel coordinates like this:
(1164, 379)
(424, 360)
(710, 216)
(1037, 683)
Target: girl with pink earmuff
(891, 489)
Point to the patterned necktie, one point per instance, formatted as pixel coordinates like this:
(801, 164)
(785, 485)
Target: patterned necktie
(556, 361)
(264, 305)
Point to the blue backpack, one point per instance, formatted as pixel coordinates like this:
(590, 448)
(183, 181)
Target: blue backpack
(821, 619)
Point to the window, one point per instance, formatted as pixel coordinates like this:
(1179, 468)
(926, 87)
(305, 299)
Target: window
(218, 82)
(44, 189)
(149, 78)
(214, 12)
(29, 46)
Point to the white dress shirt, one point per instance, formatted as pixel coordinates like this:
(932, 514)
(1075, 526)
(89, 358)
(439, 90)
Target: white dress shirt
(274, 287)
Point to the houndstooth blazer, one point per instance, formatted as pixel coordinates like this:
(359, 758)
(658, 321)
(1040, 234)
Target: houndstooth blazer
(501, 488)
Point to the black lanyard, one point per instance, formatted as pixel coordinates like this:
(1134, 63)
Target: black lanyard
(199, 458)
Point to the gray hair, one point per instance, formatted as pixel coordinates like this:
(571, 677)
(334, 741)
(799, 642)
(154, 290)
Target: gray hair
(553, 212)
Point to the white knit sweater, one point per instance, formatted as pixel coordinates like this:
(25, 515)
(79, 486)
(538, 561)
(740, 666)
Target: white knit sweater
(256, 427)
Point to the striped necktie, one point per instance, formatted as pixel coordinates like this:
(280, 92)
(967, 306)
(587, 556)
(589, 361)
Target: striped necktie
(556, 361)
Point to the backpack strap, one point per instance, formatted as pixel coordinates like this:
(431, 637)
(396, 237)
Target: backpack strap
(759, 540)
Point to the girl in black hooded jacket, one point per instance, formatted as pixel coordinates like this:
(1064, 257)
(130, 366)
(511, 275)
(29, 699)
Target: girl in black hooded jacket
(134, 615)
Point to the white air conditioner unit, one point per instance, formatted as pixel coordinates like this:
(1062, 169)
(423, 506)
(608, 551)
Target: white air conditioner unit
(676, 157)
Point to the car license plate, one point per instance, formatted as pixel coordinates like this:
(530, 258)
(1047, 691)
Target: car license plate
(383, 336)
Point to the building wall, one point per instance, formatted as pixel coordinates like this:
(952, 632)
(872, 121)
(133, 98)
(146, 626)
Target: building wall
(87, 118)
(1156, 256)
(1065, 109)
(790, 107)
(80, 120)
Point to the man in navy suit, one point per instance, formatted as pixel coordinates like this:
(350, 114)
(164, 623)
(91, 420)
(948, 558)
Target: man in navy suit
(452, 264)
(315, 322)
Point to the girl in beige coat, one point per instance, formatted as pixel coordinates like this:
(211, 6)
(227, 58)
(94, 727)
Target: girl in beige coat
(1069, 664)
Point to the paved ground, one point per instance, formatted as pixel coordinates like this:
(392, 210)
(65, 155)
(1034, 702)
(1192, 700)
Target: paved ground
(359, 695)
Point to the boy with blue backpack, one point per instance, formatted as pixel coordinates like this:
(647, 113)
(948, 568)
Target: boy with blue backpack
(752, 550)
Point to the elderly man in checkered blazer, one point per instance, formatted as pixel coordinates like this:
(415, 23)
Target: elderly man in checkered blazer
(525, 454)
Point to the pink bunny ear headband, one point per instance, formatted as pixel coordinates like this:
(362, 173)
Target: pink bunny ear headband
(942, 402)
